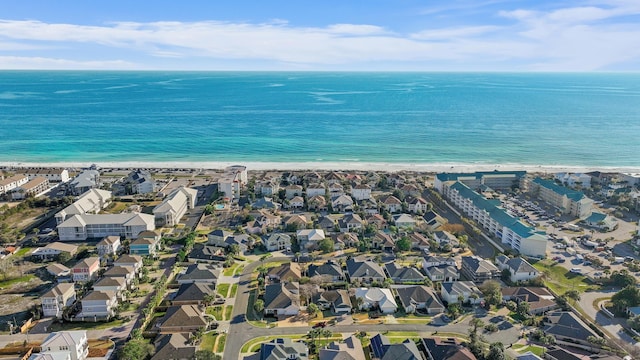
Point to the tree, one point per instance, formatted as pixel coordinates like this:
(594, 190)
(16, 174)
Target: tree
(505, 275)
(622, 278)
(573, 295)
(206, 355)
(258, 306)
(403, 244)
(625, 298)
(496, 352)
(326, 245)
(208, 299)
(492, 292)
(523, 309)
(234, 249)
(64, 257)
(136, 349)
(312, 309)
(634, 323)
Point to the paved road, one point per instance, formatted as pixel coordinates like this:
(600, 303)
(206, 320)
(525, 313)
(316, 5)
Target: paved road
(240, 331)
(612, 326)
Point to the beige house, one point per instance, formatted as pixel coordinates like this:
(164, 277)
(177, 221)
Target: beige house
(109, 245)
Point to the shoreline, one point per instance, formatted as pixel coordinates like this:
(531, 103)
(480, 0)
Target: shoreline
(328, 166)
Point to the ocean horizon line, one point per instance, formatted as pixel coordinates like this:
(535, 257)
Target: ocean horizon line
(327, 166)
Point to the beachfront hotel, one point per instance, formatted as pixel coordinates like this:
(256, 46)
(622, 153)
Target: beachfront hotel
(566, 200)
(494, 219)
(497, 180)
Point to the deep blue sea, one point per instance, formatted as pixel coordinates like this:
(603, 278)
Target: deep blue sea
(469, 118)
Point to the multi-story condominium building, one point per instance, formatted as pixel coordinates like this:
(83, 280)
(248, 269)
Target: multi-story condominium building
(55, 300)
(497, 180)
(91, 202)
(12, 182)
(86, 180)
(495, 220)
(174, 206)
(234, 179)
(85, 226)
(33, 187)
(74, 343)
(567, 200)
(51, 174)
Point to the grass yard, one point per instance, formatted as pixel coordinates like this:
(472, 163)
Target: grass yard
(222, 339)
(234, 290)
(231, 270)
(21, 279)
(23, 251)
(223, 289)
(521, 348)
(559, 279)
(216, 311)
(86, 325)
(208, 341)
(253, 345)
(228, 310)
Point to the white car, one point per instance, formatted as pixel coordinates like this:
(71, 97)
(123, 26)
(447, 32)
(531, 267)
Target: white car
(576, 270)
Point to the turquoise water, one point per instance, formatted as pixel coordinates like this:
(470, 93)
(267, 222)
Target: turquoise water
(474, 118)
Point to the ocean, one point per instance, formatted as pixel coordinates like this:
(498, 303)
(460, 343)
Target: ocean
(555, 119)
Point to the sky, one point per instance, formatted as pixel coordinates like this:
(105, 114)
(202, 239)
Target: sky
(321, 35)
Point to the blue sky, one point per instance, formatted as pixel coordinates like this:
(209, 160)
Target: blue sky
(393, 35)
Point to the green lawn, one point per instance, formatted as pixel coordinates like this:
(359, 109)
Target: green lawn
(234, 290)
(560, 280)
(228, 310)
(538, 350)
(253, 345)
(21, 279)
(222, 339)
(216, 311)
(231, 270)
(208, 341)
(23, 251)
(223, 289)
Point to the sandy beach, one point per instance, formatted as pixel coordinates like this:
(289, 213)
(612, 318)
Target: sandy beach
(345, 166)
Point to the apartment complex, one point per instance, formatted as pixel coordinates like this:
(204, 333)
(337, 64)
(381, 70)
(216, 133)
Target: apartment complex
(52, 174)
(84, 226)
(567, 200)
(12, 182)
(493, 218)
(174, 206)
(33, 187)
(497, 180)
(91, 201)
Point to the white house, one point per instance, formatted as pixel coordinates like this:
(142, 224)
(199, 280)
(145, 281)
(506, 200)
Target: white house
(52, 174)
(315, 190)
(109, 245)
(98, 304)
(437, 261)
(361, 192)
(373, 298)
(297, 202)
(452, 291)
(117, 285)
(73, 342)
(55, 300)
(85, 181)
(519, 268)
(278, 241)
(292, 191)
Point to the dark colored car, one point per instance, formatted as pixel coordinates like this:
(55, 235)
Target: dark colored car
(320, 324)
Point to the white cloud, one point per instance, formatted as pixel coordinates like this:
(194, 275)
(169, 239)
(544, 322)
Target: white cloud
(449, 33)
(572, 38)
(20, 62)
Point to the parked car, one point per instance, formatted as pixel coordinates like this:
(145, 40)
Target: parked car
(576, 270)
(320, 324)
